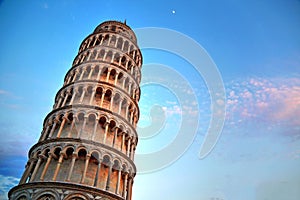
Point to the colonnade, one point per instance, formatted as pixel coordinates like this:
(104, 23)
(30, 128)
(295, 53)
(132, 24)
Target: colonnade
(59, 163)
(91, 127)
(102, 72)
(108, 76)
(112, 40)
(97, 96)
(107, 56)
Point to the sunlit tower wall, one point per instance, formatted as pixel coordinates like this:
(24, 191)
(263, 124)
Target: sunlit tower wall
(87, 145)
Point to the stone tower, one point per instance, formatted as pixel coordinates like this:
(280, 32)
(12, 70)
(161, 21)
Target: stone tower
(86, 148)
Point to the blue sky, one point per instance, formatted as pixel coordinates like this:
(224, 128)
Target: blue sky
(256, 48)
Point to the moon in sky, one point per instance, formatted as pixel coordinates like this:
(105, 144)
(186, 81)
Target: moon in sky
(173, 11)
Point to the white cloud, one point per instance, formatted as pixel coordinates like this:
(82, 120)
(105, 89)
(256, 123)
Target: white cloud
(6, 183)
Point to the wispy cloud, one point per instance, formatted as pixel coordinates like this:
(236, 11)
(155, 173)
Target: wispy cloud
(273, 100)
(172, 110)
(8, 94)
(3, 92)
(9, 100)
(262, 120)
(6, 182)
(16, 135)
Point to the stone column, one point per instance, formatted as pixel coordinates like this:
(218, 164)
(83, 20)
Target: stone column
(102, 98)
(123, 142)
(120, 60)
(118, 181)
(69, 80)
(41, 157)
(46, 166)
(82, 127)
(75, 74)
(109, 39)
(45, 133)
(128, 50)
(87, 159)
(96, 184)
(72, 126)
(107, 76)
(97, 55)
(81, 75)
(125, 185)
(131, 116)
(65, 99)
(89, 55)
(133, 56)
(83, 57)
(124, 80)
(126, 113)
(59, 101)
(128, 147)
(96, 38)
(104, 56)
(95, 129)
(88, 44)
(115, 137)
(73, 96)
(120, 107)
(53, 128)
(129, 88)
(116, 79)
(58, 166)
(111, 101)
(131, 151)
(74, 156)
(82, 95)
(112, 58)
(27, 171)
(134, 121)
(129, 188)
(105, 133)
(92, 96)
(61, 127)
(122, 45)
(99, 73)
(91, 72)
(117, 38)
(108, 177)
(101, 40)
(131, 70)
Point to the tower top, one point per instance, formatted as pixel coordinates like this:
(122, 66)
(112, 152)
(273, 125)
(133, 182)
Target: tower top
(118, 27)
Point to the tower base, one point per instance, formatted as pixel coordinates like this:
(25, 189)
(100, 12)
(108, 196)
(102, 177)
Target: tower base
(57, 191)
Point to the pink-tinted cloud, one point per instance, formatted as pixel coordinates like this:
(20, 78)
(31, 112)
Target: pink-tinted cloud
(274, 100)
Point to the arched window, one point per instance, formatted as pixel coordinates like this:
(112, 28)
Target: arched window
(120, 43)
(76, 197)
(46, 197)
(23, 197)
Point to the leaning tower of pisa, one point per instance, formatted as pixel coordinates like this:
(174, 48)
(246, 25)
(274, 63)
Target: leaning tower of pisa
(87, 145)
